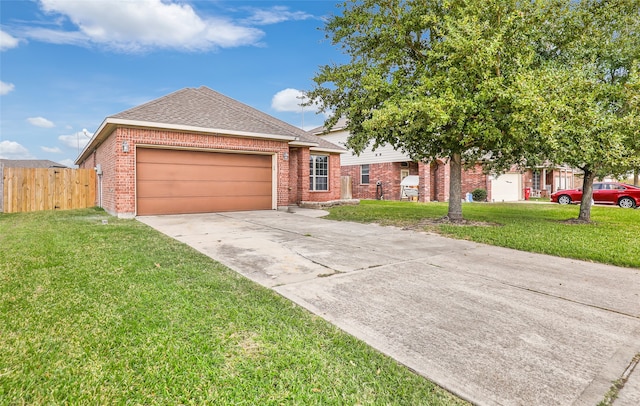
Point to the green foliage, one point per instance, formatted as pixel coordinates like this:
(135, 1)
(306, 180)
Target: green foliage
(579, 106)
(610, 239)
(502, 82)
(479, 195)
(429, 78)
(120, 314)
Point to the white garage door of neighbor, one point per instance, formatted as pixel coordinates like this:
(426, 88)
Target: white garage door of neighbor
(506, 188)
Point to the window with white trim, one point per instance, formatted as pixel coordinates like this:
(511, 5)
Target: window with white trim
(364, 174)
(319, 172)
(536, 180)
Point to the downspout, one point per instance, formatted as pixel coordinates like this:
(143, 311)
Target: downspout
(98, 170)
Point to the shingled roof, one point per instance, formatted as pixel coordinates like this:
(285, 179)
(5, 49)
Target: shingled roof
(341, 124)
(30, 163)
(205, 110)
(208, 109)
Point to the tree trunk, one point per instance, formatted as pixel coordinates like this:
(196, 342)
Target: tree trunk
(587, 195)
(455, 188)
(635, 177)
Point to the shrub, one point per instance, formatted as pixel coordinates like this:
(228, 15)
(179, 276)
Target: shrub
(479, 195)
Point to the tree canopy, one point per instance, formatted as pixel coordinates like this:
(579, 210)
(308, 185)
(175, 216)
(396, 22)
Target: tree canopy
(454, 79)
(580, 104)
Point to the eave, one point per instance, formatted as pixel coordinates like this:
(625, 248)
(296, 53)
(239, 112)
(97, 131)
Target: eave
(110, 124)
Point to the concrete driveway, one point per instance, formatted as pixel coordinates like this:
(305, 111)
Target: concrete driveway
(492, 325)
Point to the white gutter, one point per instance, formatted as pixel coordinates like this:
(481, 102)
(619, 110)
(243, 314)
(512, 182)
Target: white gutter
(330, 150)
(303, 144)
(313, 146)
(190, 128)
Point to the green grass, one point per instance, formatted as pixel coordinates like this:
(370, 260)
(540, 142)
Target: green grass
(120, 314)
(611, 238)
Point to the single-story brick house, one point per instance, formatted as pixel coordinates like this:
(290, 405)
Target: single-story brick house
(378, 174)
(196, 150)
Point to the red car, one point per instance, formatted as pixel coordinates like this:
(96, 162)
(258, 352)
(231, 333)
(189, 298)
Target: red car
(623, 195)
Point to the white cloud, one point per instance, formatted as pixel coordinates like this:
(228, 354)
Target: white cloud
(67, 162)
(141, 25)
(290, 100)
(13, 150)
(41, 122)
(77, 140)
(57, 37)
(54, 150)
(6, 88)
(275, 15)
(7, 41)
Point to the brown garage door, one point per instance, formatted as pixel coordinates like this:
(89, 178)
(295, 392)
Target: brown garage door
(174, 181)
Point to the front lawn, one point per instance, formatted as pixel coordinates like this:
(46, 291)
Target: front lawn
(116, 313)
(611, 238)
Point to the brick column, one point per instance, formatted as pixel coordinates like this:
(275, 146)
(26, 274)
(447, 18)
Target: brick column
(424, 173)
(446, 180)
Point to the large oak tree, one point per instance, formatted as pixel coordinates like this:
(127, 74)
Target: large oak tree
(430, 77)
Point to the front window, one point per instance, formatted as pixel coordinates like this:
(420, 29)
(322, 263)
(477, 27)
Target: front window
(536, 181)
(364, 174)
(319, 172)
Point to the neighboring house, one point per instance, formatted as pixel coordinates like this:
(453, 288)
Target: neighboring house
(547, 179)
(29, 163)
(22, 163)
(378, 174)
(196, 150)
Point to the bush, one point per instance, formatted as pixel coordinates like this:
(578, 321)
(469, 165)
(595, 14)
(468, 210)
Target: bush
(479, 195)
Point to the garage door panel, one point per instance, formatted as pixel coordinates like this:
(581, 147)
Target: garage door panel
(180, 181)
(214, 173)
(182, 205)
(160, 189)
(170, 157)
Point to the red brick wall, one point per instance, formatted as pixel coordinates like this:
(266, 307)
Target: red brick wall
(472, 179)
(118, 181)
(105, 155)
(387, 173)
(303, 179)
(434, 180)
(295, 194)
(426, 178)
(437, 180)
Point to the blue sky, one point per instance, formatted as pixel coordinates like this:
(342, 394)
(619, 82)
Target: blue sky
(65, 65)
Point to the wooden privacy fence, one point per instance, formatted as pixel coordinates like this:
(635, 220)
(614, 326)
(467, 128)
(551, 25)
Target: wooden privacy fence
(33, 189)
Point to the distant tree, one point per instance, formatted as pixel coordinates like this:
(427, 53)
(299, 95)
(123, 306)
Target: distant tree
(633, 124)
(576, 124)
(580, 105)
(432, 78)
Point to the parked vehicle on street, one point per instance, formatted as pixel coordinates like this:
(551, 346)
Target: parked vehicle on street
(625, 196)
